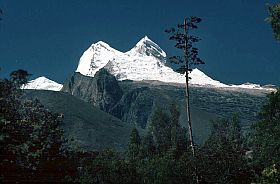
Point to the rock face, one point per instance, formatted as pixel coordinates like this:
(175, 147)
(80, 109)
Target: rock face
(102, 90)
(135, 107)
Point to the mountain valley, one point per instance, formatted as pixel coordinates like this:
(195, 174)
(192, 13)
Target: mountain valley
(130, 86)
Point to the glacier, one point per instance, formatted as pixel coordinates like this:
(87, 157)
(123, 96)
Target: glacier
(146, 61)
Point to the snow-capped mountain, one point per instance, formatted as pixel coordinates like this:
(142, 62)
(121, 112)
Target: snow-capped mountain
(145, 61)
(43, 83)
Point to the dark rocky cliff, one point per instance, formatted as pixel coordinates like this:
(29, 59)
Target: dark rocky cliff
(101, 91)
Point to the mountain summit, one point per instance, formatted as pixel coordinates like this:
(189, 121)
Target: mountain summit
(145, 61)
(147, 47)
(43, 83)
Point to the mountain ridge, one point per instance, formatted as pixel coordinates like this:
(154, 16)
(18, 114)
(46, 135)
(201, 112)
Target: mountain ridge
(43, 83)
(145, 61)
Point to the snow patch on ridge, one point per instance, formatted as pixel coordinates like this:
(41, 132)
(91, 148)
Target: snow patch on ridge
(43, 83)
(248, 85)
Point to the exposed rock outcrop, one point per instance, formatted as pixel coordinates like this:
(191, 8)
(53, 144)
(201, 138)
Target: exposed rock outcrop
(101, 91)
(135, 107)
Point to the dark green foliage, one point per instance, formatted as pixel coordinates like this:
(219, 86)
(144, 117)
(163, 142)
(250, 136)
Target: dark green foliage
(134, 145)
(161, 129)
(19, 77)
(135, 137)
(165, 168)
(223, 158)
(147, 161)
(30, 137)
(274, 19)
(108, 168)
(271, 174)
(167, 131)
(266, 136)
(271, 110)
(148, 147)
(174, 114)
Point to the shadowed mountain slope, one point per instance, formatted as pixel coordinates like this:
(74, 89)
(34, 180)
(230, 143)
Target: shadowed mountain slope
(90, 127)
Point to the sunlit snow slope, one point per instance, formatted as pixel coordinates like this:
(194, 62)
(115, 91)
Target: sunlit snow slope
(145, 61)
(42, 83)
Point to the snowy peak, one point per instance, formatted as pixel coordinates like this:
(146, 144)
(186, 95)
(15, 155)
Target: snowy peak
(145, 61)
(100, 46)
(96, 57)
(43, 83)
(100, 54)
(147, 47)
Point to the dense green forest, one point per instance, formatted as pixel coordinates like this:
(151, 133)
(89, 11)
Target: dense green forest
(32, 148)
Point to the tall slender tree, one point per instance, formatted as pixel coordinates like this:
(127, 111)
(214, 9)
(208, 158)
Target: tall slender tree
(185, 41)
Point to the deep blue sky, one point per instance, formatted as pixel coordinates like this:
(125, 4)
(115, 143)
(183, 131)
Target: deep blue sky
(47, 37)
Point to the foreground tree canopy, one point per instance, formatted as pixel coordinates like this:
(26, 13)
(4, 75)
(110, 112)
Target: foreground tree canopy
(274, 19)
(266, 139)
(30, 136)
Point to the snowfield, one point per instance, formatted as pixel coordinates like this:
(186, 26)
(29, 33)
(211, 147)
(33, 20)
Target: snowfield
(145, 61)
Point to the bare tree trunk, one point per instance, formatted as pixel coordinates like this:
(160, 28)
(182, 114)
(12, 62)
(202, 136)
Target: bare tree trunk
(188, 113)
